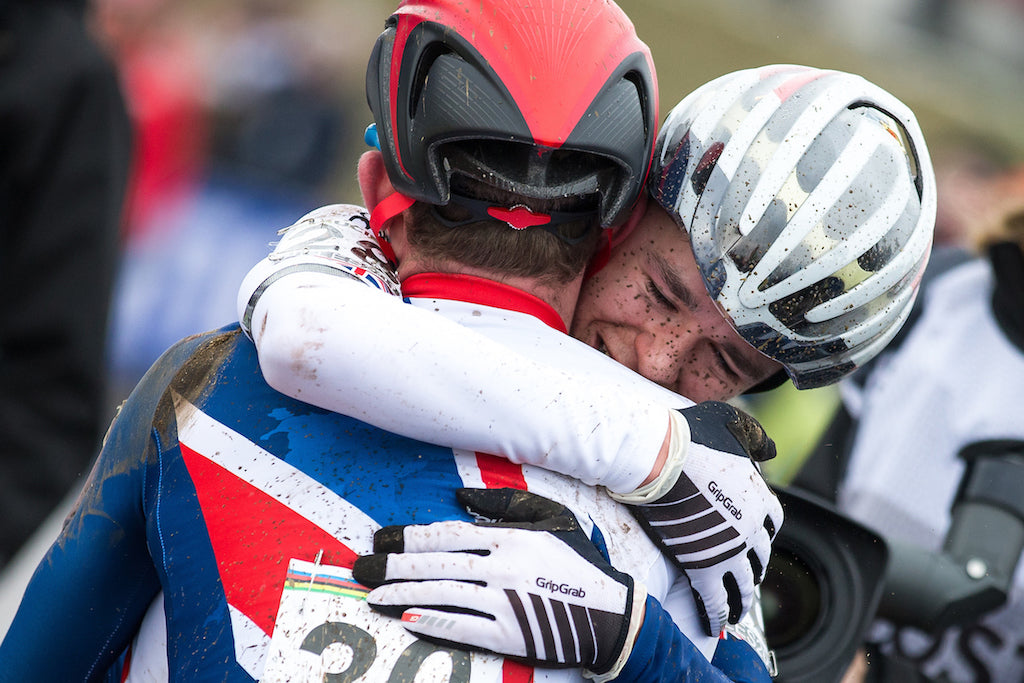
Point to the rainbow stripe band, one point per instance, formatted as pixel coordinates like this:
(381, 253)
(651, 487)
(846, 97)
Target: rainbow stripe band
(319, 583)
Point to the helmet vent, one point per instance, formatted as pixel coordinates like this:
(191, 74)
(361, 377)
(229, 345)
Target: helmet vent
(791, 310)
(705, 166)
(427, 58)
(637, 82)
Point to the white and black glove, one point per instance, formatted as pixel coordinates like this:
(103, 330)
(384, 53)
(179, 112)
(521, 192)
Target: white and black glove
(530, 585)
(711, 510)
(336, 240)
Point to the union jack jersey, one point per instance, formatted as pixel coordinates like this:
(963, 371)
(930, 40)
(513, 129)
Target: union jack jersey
(218, 508)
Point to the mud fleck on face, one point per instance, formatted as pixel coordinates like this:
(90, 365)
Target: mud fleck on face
(649, 310)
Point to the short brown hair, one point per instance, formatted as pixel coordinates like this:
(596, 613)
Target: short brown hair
(494, 245)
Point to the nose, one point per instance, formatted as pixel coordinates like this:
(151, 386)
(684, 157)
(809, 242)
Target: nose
(660, 355)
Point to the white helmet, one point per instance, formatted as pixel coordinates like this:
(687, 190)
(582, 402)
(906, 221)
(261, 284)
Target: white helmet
(809, 198)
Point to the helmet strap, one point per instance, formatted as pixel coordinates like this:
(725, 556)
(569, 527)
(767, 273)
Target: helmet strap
(386, 209)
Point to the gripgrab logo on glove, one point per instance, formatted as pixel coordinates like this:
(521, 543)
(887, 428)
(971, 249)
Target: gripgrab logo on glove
(725, 500)
(563, 588)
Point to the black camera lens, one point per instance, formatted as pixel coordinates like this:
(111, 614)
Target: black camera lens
(823, 584)
(791, 598)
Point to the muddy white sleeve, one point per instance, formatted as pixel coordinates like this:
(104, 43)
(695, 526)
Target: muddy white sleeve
(335, 343)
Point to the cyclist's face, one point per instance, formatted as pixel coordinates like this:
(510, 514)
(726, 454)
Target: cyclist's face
(648, 309)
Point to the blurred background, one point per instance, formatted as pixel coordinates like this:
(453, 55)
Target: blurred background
(250, 112)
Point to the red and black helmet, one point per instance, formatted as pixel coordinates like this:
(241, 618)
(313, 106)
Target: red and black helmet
(547, 98)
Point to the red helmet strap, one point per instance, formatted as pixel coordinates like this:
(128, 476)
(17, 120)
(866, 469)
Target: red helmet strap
(386, 209)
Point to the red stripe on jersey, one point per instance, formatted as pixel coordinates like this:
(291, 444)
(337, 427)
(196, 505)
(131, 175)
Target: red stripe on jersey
(498, 473)
(477, 290)
(253, 538)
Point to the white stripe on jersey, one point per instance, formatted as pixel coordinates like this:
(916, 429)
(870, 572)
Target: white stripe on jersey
(274, 476)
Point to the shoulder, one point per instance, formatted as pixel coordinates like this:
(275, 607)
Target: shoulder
(187, 364)
(185, 368)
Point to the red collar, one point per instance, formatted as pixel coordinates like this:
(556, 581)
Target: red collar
(477, 290)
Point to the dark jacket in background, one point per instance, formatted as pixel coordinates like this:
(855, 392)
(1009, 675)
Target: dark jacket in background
(64, 162)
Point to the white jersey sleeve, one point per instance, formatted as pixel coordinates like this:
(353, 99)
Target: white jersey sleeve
(359, 350)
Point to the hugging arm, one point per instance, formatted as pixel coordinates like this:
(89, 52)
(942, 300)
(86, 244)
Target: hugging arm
(330, 334)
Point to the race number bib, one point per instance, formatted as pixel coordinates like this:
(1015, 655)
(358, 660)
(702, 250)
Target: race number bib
(325, 631)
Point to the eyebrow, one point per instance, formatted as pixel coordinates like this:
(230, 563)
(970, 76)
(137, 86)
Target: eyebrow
(674, 284)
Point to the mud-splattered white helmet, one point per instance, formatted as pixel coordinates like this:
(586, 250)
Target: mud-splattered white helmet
(809, 199)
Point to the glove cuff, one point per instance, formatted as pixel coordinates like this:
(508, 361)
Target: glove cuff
(636, 621)
(678, 446)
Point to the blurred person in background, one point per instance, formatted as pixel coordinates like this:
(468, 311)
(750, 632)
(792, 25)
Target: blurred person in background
(240, 128)
(913, 423)
(972, 176)
(162, 76)
(66, 148)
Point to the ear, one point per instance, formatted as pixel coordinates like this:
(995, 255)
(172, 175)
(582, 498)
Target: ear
(385, 204)
(373, 179)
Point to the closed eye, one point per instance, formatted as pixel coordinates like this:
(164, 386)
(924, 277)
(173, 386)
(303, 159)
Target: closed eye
(659, 297)
(723, 362)
(670, 280)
